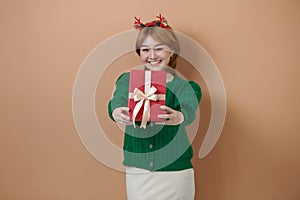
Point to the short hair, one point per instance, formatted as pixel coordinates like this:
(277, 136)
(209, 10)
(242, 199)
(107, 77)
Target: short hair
(163, 35)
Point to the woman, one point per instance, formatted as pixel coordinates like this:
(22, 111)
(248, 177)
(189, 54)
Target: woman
(158, 158)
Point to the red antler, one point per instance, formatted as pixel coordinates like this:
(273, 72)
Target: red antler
(160, 18)
(137, 23)
(137, 20)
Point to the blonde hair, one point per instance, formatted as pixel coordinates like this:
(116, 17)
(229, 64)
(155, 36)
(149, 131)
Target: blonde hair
(161, 35)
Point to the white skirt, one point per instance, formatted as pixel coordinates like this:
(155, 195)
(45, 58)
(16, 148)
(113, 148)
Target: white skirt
(172, 185)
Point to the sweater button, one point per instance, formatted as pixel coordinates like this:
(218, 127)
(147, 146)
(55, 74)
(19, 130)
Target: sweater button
(151, 164)
(151, 124)
(150, 146)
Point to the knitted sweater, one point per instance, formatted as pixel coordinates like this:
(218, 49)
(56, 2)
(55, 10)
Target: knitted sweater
(159, 147)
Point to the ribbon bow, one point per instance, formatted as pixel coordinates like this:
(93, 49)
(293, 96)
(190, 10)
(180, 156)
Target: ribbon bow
(143, 99)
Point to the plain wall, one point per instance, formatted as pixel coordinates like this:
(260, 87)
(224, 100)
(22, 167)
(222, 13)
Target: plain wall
(254, 43)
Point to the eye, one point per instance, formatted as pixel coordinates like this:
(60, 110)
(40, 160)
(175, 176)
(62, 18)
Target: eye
(159, 48)
(144, 49)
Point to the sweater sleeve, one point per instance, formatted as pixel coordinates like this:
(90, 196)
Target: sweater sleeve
(120, 95)
(188, 100)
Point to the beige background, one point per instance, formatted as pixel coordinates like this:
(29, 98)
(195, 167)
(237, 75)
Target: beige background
(255, 44)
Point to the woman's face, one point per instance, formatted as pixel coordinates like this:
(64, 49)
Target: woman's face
(155, 55)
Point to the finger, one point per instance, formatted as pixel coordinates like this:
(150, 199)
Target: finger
(127, 123)
(168, 122)
(125, 109)
(123, 116)
(164, 116)
(123, 112)
(166, 108)
(124, 121)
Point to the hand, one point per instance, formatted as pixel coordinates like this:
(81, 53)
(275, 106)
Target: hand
(121, 115)
(172, 117)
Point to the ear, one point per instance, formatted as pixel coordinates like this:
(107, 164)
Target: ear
(172, 53)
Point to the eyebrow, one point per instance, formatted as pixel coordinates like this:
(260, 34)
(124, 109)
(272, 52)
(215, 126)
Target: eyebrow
(154, 45)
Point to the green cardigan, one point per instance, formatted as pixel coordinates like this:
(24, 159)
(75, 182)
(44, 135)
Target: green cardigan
(159, 147)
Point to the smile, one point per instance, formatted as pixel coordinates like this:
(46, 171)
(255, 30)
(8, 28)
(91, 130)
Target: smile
(156, 62)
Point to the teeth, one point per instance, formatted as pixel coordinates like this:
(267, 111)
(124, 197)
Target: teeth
(154, 62)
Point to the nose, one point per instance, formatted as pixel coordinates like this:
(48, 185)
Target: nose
(153, 54)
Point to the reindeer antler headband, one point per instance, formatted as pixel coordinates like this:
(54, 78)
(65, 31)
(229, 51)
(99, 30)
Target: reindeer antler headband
(160, 22)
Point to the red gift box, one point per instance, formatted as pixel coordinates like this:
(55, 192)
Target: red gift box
(147, 91)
